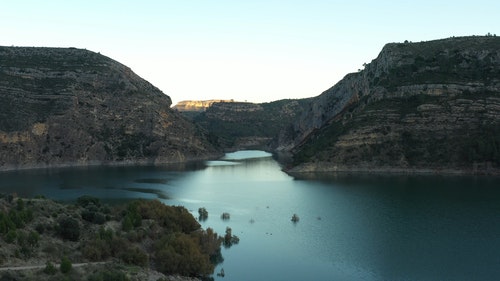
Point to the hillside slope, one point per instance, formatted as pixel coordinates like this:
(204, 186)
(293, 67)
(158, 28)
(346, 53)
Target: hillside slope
(244, 125)
(66, 106)
(427, 107)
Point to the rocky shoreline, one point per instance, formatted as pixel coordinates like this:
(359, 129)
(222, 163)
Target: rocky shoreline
(147, 162)
(324, 167)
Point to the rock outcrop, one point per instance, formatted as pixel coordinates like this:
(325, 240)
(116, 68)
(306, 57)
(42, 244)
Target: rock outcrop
(196, 105)
(67, 106)
(430, 106)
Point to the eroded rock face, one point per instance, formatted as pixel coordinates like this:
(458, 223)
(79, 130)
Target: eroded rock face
(429, 106)
(197, 105)
(75, 107)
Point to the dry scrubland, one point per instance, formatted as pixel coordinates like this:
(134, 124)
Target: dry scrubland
(88, 240)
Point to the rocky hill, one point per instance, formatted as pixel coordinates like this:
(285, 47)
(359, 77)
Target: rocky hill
(418, 107)
(244, 125)
(67, 106)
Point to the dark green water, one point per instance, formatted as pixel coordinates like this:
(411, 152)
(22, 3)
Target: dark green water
(350, 228)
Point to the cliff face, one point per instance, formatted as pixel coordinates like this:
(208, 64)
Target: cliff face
(423, 106)
(75, 107)
(196, 105)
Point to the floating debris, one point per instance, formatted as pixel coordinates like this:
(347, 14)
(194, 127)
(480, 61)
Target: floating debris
(295, 218)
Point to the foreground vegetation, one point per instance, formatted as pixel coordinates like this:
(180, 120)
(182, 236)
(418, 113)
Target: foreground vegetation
(113, 243)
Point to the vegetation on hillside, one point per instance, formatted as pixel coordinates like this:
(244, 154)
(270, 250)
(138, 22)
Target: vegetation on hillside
(465, 60)
(227, 126)
(140, 234)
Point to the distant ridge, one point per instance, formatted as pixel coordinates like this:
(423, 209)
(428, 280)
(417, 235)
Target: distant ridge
(197, 105)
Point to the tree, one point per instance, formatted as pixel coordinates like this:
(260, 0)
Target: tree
(203, 214)
(181, 254)
(230, 239)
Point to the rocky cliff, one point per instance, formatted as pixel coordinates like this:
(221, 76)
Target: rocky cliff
(66, 106)
(429, 106)
(196, 105)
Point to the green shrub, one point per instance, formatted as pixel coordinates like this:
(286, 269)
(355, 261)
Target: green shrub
(87, 200)
(135, 256)
(92, 214)
(66, 265)
(33, 239)
(132, 218)
(203, 214)
(6, 224)
(230, 239)
(181, 254)
(49, 269)
(10, 237)
(20, 204)
(69, 228)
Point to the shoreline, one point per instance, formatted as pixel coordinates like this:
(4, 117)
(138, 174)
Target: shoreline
(323, 167)
(89, 164)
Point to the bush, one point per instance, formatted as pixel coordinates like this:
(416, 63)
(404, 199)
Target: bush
(135, 256)
(20, 204)
(225, 216)
(66, 265)
(175, 218)
(87, 200)
(6, 224)
(132, 218)
(230, 239)
(33, 239)
(203, 214)
(69, 228)
(10, 237)
(181, 254)
(49, 269)
(93, 216)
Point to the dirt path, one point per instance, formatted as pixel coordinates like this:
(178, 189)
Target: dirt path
(28, 267)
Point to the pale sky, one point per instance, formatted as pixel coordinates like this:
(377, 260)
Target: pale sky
(253, 50)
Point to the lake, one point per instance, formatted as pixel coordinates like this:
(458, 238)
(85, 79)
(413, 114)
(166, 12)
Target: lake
(350, 228)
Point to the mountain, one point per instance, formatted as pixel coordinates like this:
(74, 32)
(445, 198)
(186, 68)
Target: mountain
(67, 106)
(418, 107)
(244, 125)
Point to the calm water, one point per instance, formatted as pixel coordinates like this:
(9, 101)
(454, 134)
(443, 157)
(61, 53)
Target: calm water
(350, 228)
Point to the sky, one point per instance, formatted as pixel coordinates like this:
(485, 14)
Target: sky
(256, 51)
